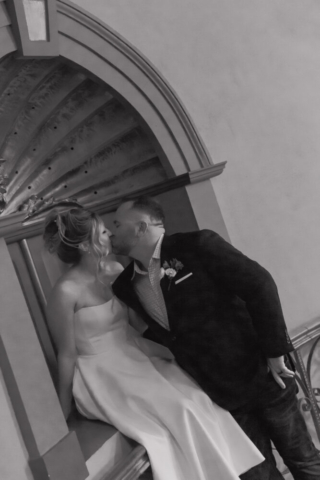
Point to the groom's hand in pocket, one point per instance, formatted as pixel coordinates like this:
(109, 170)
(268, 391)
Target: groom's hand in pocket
(279, 369)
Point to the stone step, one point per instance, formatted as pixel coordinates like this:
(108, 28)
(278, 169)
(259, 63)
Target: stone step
(109, 455)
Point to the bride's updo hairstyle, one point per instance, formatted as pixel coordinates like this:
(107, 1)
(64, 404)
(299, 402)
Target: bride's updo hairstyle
(65, 231)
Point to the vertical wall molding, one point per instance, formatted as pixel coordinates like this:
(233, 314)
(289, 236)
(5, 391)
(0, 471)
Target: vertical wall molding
(26, 46)
(54, 452)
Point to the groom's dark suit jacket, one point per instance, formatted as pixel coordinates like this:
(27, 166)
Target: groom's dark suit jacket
(225, 319)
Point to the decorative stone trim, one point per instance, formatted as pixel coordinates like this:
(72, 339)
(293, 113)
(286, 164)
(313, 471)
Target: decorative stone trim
(4, 16)
(205, 173)
(17, 226)
(133, 466)
(34, 48)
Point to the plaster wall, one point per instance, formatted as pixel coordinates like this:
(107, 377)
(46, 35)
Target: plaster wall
(248, 73)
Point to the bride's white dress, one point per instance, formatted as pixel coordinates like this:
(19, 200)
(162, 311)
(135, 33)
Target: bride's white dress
(134, 384)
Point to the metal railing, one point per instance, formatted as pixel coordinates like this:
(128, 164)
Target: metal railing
(308, 402)
(306, 336)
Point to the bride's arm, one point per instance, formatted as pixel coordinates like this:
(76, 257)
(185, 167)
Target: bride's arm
(136, 321)
(60, 313)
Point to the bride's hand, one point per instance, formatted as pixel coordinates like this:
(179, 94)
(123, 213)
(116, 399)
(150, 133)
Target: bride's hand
(66, 409)
(65, 398)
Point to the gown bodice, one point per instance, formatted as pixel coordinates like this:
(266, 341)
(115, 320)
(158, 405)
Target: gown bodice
(97, 327)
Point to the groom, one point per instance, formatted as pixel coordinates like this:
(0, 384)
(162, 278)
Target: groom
(219, 313)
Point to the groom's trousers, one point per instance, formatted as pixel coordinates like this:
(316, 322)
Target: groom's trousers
(275, 415)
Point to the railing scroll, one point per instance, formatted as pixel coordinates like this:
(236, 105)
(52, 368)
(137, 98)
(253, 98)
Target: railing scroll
(309, 401)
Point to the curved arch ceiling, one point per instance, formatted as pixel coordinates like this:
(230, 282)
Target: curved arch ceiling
(65, 135)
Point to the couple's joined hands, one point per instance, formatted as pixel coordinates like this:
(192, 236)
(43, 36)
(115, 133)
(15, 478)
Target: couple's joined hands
(279, 369)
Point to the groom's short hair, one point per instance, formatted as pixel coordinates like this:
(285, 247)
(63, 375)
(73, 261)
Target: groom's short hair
(147, 205)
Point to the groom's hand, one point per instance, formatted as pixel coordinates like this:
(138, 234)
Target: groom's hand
(278, 370)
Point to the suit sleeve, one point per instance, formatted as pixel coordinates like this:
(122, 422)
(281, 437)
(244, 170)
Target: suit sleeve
(248, 280)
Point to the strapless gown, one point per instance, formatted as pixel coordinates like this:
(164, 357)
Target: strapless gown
(135, 385)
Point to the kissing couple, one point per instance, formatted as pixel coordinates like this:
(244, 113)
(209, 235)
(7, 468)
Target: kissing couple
(185, 350)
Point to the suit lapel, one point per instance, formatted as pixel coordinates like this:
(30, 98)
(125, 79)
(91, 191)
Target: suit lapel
(167, 254)
(171, 250)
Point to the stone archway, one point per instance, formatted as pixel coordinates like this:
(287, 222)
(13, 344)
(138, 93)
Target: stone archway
(96, 49)
(95, 46)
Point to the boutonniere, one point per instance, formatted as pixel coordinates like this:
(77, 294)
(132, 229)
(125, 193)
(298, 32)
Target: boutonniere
(170, 269)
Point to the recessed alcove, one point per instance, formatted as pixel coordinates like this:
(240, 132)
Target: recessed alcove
(81, 125)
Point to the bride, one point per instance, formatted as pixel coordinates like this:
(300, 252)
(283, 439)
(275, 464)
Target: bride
(117, 376)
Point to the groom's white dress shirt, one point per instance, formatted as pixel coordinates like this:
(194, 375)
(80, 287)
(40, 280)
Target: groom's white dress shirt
(148, 289)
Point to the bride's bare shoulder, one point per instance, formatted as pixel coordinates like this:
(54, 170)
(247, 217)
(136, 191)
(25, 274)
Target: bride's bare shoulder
(66, 289)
